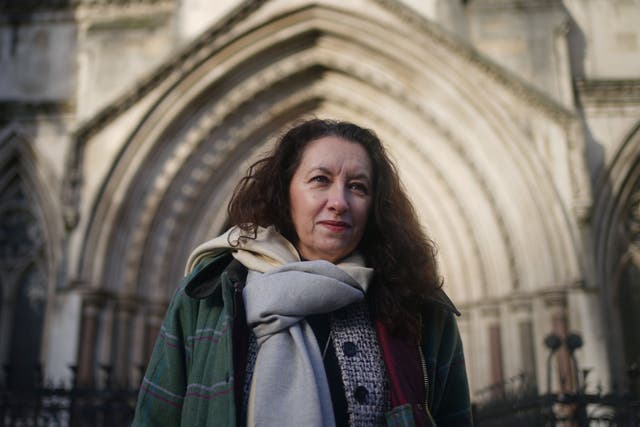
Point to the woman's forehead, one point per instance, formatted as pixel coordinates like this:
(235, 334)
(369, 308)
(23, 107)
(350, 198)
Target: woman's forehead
(335, 153)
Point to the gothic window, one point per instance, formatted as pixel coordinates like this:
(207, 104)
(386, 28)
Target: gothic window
(23, 273)
(28, 318)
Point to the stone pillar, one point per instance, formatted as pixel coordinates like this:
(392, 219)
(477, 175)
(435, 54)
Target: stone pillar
(123, 325)
(522, 342)
(496, 368)
(93, 304)
(494, 343)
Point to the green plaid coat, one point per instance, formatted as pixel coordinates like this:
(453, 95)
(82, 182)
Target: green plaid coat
(190, 378)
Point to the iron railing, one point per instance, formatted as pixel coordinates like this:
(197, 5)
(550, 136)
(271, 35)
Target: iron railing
(35, 404)
(517, 403)
(53, 407)
(514, 403)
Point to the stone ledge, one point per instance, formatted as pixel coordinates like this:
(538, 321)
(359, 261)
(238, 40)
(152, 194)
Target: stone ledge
(512, 4)
(608, 92)
(31, 6)
(22, 109)
(40, 4)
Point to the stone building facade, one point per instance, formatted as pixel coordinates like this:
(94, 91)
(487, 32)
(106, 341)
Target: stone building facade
(124, 125)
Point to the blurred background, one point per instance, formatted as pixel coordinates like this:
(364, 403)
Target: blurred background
(515, 124)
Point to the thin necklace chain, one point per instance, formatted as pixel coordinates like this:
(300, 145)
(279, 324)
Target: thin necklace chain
(326, 345)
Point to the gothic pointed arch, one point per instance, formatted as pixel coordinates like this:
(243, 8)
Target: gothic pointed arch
(476, 168)
(26, 261)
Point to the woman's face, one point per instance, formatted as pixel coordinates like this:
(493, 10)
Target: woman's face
(330, 197)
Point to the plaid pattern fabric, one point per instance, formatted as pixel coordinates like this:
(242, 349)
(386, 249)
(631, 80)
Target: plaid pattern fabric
(190, 377)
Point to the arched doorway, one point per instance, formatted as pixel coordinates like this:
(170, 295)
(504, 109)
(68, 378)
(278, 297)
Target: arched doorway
(463, 135)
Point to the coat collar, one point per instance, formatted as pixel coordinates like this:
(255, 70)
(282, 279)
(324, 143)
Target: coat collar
(206, 279)
(440, 298)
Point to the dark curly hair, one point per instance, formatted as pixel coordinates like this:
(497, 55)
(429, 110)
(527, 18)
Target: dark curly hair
(393, 242)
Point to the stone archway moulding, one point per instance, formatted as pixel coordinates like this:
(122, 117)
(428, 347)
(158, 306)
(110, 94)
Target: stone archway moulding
(493, 167)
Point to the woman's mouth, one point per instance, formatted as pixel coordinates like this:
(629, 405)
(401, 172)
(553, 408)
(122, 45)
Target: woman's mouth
(335, 226)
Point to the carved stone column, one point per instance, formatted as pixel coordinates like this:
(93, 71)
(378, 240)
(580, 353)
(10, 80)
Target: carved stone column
(496, 378)
(92, 306)
(123, 325)
(523, 340)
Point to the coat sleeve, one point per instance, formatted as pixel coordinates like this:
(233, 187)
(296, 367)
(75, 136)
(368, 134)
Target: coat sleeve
(448, 388)
(163, 387)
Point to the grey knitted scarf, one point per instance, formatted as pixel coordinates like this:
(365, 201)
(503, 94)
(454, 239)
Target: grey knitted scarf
(289, 385)
(362, 367)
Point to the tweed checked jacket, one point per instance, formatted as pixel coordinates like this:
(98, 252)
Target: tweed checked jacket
(195, 379)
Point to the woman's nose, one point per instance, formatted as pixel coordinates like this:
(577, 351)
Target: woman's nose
(338, 201)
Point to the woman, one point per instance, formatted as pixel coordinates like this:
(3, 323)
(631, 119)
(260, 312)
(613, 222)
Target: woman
(321, 306)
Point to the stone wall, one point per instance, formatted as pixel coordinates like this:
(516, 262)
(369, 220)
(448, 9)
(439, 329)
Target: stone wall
(519, 117)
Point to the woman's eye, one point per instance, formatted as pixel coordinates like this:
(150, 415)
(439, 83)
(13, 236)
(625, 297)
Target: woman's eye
(320, 179)
(359, 187)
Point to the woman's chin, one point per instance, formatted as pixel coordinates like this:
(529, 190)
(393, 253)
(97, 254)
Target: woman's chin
(335, 255)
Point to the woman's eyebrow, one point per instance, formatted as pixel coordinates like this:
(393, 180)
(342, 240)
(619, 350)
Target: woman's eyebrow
(322, 169)
(363, 176)
(358, 175)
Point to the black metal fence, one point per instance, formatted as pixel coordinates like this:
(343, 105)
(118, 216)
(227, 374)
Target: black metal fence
(514, 404)
(52, 407)
(517, 403)
(38, 404)
(560, 410)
